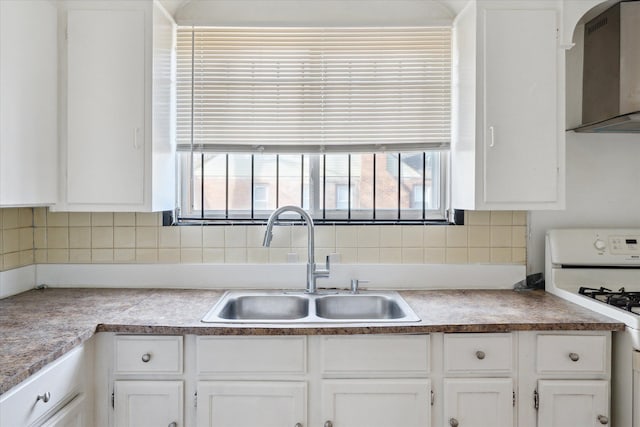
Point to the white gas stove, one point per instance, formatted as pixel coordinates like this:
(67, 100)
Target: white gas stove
(600, 269)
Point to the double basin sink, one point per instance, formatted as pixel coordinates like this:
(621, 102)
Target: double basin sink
(299, 307)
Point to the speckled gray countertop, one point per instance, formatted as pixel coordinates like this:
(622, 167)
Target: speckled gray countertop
(37, 327)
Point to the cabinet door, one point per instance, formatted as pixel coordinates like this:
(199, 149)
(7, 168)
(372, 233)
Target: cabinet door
(105, 106)
(148, 403)
(29, 102)
(376, 403)
(73, 414)
(573, 403)
(521, 115)
(478, 402)
(251, 403)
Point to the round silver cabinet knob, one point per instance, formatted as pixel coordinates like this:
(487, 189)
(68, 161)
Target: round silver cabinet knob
(146, 357)
(328, 424)
(574, 357)
(480, 354)
(453, 422)
(44, 397)
(173, 424)
(298, 425)
(603, 420)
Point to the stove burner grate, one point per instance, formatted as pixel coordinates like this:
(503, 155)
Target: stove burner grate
(629, 301)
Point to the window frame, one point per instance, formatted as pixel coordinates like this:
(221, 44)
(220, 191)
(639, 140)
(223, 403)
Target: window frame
(315, 198)
(320, 215)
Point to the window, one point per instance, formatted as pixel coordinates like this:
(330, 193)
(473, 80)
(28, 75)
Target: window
(349, 123)
(417, 196)
(261, 196)
(343, 194)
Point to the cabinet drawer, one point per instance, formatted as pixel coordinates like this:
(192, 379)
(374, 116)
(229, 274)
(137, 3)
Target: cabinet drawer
(484, 353)
(398, 355)
(252, 355)
(60, 381)
(571, 353)
(148, 354)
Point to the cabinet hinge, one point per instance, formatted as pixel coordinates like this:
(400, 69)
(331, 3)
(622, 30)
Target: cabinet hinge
(433, 397)
(113, 399)
(536, 399)
(514, 398)
(195, 399)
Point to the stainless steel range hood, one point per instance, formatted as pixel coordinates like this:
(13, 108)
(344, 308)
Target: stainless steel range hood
(611, 75)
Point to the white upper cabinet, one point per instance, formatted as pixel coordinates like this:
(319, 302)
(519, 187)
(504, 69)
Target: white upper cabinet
(117, 148)
(508, 107)
(28, 102)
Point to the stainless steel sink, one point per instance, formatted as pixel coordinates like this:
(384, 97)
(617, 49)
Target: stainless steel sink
(298, 307)
(264, 307)
(361, 306)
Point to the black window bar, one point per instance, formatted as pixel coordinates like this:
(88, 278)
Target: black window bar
(320, 213)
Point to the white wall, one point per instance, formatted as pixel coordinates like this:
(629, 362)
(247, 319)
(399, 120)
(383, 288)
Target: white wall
(603, 170)
(603, 189)
(317, 12)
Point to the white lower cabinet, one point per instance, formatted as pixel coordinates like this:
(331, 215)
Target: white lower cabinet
(52, 397)
(478, 402)
(148, 380)
(478, 384)
(148, 403)
(73, 414)
(376, 403)
(573, 403)
(564, 379)
(523, 379)
(252, 403)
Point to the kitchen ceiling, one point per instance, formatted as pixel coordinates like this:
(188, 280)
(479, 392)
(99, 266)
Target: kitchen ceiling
(174, 6)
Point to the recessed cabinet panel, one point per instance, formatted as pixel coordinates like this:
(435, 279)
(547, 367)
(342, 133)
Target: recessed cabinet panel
(28, 102)
(252, 355)
(106, 106)
(478, 402)
(148, 354)
(571, 354)
(73, 414)
(579, 403)
(25, 404)
(468, 353)
(367, 355)
(250, 403)
(521, 115)
(376, 403)
(148, 403)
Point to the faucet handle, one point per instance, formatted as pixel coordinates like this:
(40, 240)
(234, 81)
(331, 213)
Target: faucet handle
(323, 272)
(355, 284)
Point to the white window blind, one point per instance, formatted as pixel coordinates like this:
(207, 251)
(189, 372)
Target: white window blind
(308, 90)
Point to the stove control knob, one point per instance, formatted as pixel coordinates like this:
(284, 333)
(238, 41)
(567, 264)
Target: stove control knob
(599, 245)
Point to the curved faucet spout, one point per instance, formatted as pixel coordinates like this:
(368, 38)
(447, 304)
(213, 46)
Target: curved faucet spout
(312, 272)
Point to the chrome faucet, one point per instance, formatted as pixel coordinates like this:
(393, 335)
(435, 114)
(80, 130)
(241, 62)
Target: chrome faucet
(312, 271)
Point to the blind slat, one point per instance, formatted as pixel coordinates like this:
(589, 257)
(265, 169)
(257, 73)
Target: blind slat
(313, 89)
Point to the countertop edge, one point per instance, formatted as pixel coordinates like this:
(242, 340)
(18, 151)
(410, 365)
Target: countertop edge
(333, 329)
